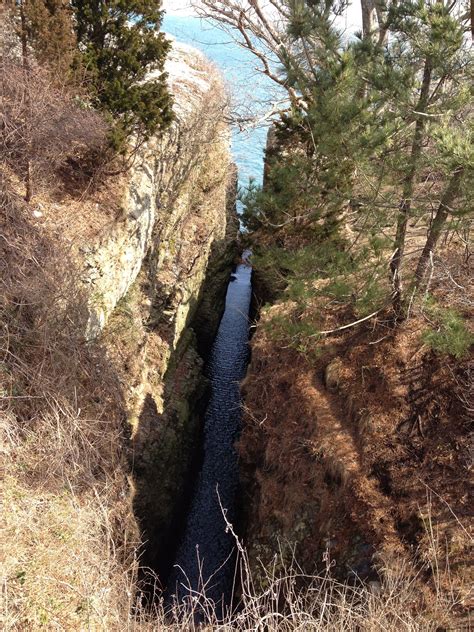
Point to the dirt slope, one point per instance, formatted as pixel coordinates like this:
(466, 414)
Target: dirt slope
(362, 456)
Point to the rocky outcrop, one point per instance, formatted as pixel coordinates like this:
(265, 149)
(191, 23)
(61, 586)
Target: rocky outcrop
(157, 284)
(176, 195)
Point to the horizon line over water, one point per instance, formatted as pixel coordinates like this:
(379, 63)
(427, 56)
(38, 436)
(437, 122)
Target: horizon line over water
(247, 85)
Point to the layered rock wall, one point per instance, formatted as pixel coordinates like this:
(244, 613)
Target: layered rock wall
(176, 195)
(157, 285)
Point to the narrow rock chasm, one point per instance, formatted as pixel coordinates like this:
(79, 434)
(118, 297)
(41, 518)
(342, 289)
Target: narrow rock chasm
(205, 553)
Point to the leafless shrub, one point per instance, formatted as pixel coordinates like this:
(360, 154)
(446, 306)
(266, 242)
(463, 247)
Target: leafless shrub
(284, 598)
(43, 126)
(200, 112)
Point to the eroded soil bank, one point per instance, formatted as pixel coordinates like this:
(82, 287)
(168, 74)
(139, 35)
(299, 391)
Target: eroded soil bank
(359, 456)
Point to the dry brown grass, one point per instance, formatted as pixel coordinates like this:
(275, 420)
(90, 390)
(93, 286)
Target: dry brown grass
(61, 567)
(68, 533)
(287, 599)
(63, 579)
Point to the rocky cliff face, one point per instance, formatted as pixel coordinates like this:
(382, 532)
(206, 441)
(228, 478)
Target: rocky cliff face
(97, 434)
(157, 285)
(175, 198)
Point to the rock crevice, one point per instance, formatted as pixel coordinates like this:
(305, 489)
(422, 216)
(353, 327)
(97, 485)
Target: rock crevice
(157, 285)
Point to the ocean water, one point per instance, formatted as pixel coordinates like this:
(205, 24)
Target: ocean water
(206, 555)
(250, 90)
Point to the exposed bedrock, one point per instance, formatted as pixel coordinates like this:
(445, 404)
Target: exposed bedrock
(157, 282)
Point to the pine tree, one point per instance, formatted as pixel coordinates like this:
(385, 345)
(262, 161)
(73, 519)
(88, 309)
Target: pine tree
(120, 42)
(322, 137)
(429, 43)
(51, 35)
(377, 118)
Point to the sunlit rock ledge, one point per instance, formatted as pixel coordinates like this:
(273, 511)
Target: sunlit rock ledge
(174, 203)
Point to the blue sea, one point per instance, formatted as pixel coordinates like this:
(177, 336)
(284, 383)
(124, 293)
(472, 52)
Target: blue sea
(249, 88)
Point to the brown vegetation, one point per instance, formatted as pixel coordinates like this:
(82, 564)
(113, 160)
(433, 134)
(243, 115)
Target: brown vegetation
(358, 448)
(43, 127)
(68, 535)
(67, 403)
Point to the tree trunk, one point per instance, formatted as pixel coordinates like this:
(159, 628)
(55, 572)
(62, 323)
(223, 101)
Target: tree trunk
(450, 194)
(373, 20)
(407, 194)
(382, 15)
(368, 17)
(472, 18)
